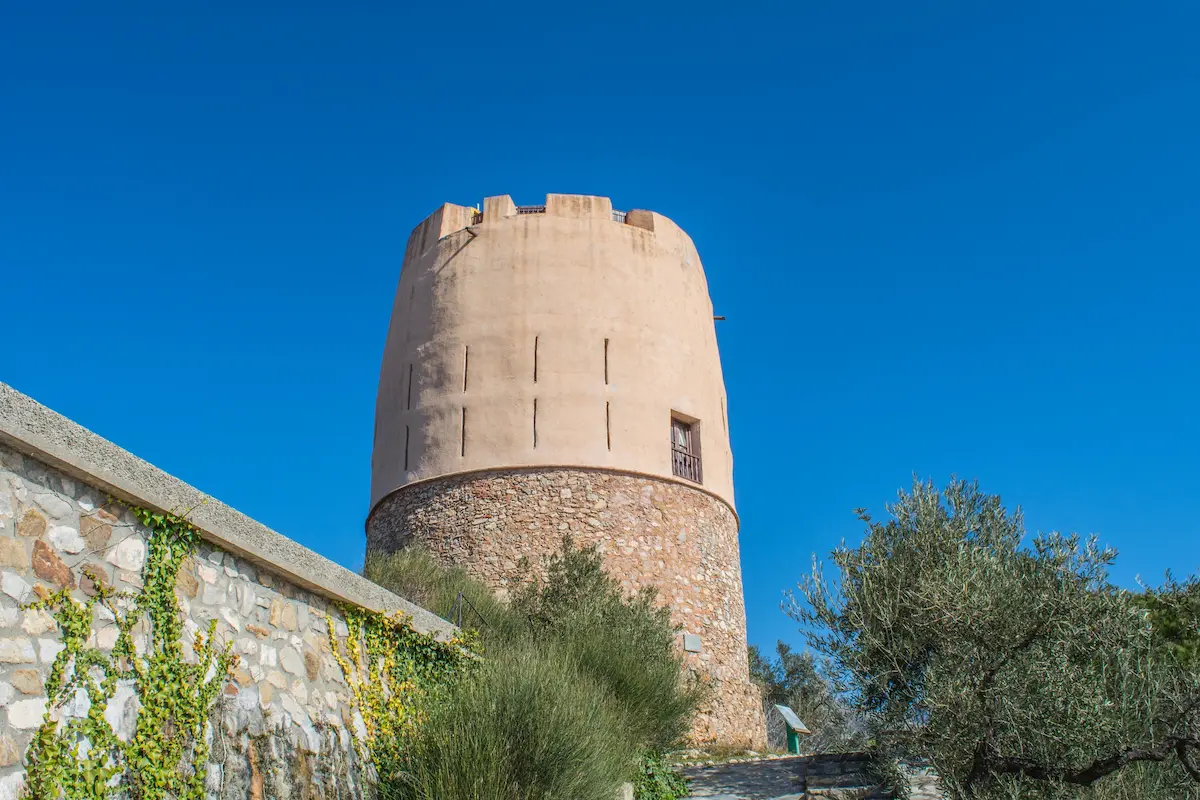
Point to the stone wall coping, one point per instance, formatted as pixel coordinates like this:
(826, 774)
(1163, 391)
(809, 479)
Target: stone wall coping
(538, 467)
(31, 428)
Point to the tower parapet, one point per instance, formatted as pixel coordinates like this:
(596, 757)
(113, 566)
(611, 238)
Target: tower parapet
(554, 369)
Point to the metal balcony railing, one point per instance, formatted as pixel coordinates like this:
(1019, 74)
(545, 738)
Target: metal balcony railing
(477, 219)
(685, 465)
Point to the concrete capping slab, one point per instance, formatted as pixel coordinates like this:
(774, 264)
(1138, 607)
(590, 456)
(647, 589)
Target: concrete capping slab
(33, 429)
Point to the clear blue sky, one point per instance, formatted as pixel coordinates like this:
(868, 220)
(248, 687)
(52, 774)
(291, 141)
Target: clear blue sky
(948, 238)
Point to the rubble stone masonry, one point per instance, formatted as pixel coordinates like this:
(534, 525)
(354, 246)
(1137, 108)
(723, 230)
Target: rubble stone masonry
(653, 533)
(281, 725)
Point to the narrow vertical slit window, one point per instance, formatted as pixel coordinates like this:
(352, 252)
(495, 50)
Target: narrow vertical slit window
(535, 358)
(535, 422)
(466, 364)
(606, 362)
(410, 366)
(406, 448)
(608, 425)
(462, 436)
(724, 418)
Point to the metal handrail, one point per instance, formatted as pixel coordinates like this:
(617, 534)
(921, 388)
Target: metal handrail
(619, 216)
(684, 464)
(477, 219)
(531, 209)
(457, 612)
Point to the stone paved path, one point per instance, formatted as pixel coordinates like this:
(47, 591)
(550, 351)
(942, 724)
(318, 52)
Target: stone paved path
(762, 780)
(829, 775)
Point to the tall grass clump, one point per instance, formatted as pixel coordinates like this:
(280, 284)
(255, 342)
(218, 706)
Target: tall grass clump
(580, 686)
(529, 725)
(415, 575)
(624, 644)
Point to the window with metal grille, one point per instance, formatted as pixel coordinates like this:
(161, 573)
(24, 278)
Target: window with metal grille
(685, 449)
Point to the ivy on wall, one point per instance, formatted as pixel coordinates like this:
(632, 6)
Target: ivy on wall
(82, 757)
(390, 668)
(392, 671)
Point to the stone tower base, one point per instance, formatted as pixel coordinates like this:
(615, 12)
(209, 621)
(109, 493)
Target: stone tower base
(652, 532)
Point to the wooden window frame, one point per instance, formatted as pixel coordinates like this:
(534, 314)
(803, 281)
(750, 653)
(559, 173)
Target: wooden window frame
(686, 461)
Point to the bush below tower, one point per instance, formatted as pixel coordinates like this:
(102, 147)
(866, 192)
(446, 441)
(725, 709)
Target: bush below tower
(577, 680)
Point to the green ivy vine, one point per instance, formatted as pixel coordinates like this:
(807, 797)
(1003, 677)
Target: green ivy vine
(658, 780)
(393, 671)
(82, 758)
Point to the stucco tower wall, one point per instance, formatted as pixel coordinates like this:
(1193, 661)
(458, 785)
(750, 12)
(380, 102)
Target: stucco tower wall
(532, 368)
(481, 308)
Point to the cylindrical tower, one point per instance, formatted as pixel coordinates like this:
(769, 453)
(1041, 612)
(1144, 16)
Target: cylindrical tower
(554, 369)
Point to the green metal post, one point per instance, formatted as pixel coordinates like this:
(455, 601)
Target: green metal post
(793, 741)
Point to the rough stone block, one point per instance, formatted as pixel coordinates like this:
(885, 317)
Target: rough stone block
(14, 586)
(10, 753)
(93, 578)
(66, 539)
(129, 554)
(96, 531)
(48, 566)
(27, 681)
(27, 714)
(32, 525)
(17, 651)
(37, 622)
(13, 554)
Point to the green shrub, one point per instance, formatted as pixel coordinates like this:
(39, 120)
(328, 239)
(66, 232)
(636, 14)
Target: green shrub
(625, 644)
(576, 680)
(529, 726)
(415, 575)
(658, 780)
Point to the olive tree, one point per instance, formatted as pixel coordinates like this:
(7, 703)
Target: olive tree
(794, 680)
(1013, 667)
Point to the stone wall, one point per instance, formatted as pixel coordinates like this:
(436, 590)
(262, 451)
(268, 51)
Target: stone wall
(282, 726)
(653, 533)
(287, 704)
